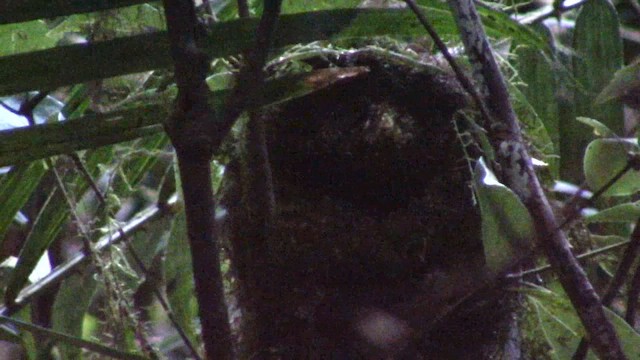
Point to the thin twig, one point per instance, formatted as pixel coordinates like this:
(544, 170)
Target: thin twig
(574, 213)
(460, 75)
(583, 256)
(63, 271)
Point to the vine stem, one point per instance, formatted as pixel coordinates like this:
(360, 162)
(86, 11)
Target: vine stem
(518, 173)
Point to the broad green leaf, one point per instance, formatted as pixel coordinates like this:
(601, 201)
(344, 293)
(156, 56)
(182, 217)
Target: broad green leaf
(599, 129)
(66, 65)
(624, 213)
(629, 338)
(15, 189)
(598, 49)
(507, 226)
(604, 158)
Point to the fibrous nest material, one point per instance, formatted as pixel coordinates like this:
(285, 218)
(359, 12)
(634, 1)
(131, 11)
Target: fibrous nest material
(376, 232)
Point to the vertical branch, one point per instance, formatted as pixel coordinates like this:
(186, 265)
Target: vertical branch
(258, 203)
(192, 132)
(518, 173)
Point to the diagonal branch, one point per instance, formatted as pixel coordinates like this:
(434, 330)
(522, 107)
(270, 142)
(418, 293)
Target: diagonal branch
(519, 175)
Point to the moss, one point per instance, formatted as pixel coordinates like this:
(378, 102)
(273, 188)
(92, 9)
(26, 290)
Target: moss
(372, 198)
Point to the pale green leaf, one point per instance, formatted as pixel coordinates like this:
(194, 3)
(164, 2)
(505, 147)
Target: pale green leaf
(599, 129)
(624, 213)
(507, 226)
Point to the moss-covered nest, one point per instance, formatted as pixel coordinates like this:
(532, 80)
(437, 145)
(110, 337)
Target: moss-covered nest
(376, 235)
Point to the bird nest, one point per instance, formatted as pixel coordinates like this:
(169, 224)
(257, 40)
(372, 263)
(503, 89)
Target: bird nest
(376, 236)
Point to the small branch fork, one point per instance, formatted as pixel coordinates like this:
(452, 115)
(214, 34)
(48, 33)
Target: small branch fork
(196, 133)
(519, 175)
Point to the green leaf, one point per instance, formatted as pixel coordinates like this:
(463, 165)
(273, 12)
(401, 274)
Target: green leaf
(15, 189)
(24, 10)
(552, 322)
(540, 90)
(48, 224)
(598, 49)
(625, 83)
(44, 230)
(72, 302)
(507, 226)
(179, 272)
(534, 127)
(599, 129)
(71, 340)
(625, 213)
(604, 158)
(30, 36)
(558, 322)
(628, 337)
(296, 6)
(21, 145)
